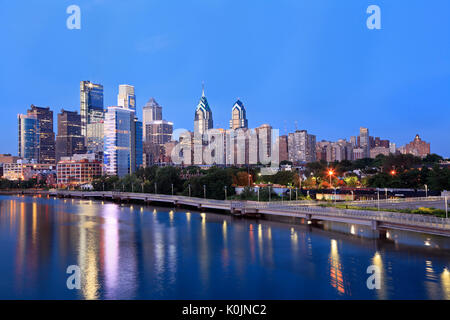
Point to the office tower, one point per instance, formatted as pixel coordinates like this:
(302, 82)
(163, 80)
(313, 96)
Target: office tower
(119, 142)
(91, 109)
(364, 141)
(418, 147)
(46, 134)
(126, 98)
(301, 146)
(238, 116)
(152, 111)
(353, 141)
(69, 140)
(203, 120)
(283, 148)
(264, 138)
(28, 137)
(157, 132)
(138, 147)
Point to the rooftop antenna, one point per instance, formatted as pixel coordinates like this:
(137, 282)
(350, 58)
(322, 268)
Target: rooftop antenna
(203, 88)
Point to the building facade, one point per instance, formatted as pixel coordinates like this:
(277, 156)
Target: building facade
(91, 110)
(126, 97)
(122, 142)
(77, 172)
(203, 119)
(238, 116)
(418, 147)
(69, 140)
(46, 134)
(301, 147)
(28, 137)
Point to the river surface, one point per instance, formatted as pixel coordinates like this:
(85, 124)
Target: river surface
(142, 252)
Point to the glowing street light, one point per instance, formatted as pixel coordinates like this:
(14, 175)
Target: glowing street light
(393, 172)
(330, 173)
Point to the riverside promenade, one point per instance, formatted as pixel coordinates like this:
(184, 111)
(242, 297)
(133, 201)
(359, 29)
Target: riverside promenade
(301, 211)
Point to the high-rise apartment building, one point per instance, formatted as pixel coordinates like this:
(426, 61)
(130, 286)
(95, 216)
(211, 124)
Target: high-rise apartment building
(28, 137)
(301, 146)
(91, 111)
(238, 116)
(203, 120)
(126, 97)
(364, 141)
(69, 140)
(46, 134)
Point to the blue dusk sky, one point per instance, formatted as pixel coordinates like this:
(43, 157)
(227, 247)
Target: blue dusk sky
(314, 62)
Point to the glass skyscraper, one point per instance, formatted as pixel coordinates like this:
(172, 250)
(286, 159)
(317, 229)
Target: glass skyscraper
(92, 114)
(122, 142)
(126, 97)
(46, 134)
(28, 137)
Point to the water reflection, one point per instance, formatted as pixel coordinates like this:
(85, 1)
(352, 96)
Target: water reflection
(128, 252)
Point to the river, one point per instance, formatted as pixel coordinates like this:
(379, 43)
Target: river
(141, 252)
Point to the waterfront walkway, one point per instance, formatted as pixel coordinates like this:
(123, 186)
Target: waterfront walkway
(305, 211)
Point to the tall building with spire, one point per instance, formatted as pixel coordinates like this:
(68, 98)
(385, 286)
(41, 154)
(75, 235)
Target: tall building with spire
(238, 116)
(203, 120)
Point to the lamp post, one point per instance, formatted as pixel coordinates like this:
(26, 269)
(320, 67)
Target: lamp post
(378, 199)
(172, 189)
(132, 187)
(225, 188)
(103, 186)
(296, 194)
(270, 192)
(156, 188)
(446, 207)
(189, 190)
(330, 173)
(426, 191)
(204, 191)
(142, 186)
(385, 194)
(258, 193)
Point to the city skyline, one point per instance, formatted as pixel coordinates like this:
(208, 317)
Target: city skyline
(334, 78)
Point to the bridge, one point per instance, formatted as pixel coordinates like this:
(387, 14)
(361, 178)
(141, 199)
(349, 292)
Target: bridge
(305, 211)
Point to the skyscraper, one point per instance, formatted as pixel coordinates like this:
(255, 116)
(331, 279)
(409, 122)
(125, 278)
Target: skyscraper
(28, 137)
(69, 140)
(91, 108)
(238, 116)
(364, 141)
(203, 120)
(301, 146)
(119, 141)
(46, 134)
(152, 111)
(126, 97)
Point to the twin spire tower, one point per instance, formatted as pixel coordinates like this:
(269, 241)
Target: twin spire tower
(203, 119)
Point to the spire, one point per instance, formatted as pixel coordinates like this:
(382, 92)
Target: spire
(203, 88)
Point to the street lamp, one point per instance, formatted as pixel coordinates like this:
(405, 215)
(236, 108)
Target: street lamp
(156, 188)
(258, 193)
(426, 191)
(330, 173)
(172, 189)
(142, 185)
(393, 172)
(204, 191)
(189, 190)
(225, 188)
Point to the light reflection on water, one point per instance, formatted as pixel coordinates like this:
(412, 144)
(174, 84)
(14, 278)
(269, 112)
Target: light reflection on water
(127, 252)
